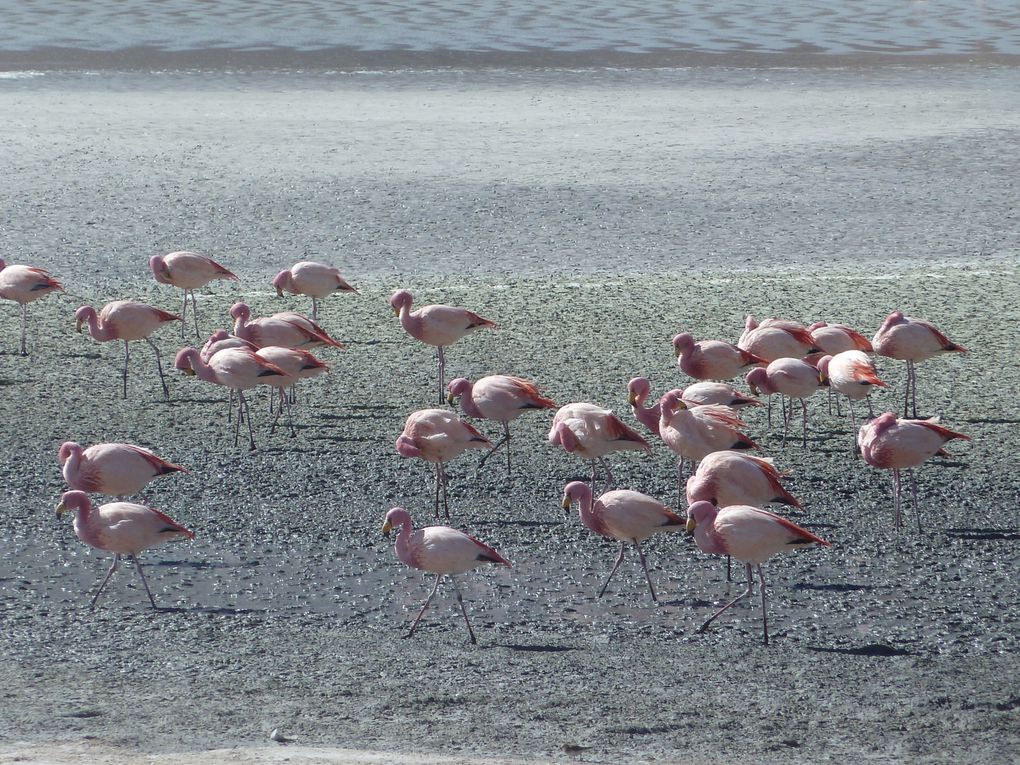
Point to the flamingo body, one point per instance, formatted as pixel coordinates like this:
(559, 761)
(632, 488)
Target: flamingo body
(775, 339)
(712, 359)
(893, 443)
(735, 478)
(316, 280)
(851, 373)
(286, 330)
(907, 339)
(187, 270)
(835, 338)
(695, 432)
(23, 285)
(116, 470)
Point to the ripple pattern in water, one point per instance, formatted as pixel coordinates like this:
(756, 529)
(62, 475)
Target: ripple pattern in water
(871, 26)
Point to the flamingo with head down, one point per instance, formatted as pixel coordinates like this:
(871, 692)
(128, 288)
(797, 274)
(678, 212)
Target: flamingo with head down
(189, 271)
(316, 280)
(116, 470)
(591, 432)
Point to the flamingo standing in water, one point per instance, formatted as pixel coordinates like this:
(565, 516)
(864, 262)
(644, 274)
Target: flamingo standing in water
(895, 444)
(440, 550)
(712, 359)
(189, 271)
(438, 325)
(286, 330)
(236, 368)
(592, 432)
(853, 374)
(787, 377)
(317, 280)
(911, 340)
(297, 365)
(126, 320)
(23, 284)
(438, 436)
(498, 397)
(116, 470)
(625, 516)
(122, 528)
(750, 535)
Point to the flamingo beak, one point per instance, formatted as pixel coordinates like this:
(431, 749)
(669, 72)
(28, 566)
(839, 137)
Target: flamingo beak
(691, 525)
(188, 371)
(451, 399)
(566, 504)
(754, 389)
(387, 528)
(396, 311)
(823, 379)
(61, 509)
(77, 326)
(632, 398)
(279, 292)
(681, 404)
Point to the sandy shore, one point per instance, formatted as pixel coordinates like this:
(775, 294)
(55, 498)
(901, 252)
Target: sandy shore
(287, 611)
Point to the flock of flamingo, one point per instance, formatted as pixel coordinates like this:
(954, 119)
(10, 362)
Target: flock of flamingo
(725, 493)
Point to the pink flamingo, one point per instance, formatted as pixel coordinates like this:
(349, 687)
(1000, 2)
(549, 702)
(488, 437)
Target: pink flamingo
(440, 550)
(623, 515)
(438, 325)
(23, 284)
(317, 280)
(787, 377)
(122, 528)
(694, 432)
(438, 436)
(712, 359)
(236, 368)
(298, 365)
(116, 470)
(697, 394)
(189, 271)
(126, 320)
(735, 478)
(911, 340)
(853, 374)
(217, 341)
(750, 535)
(895, 444)
(831, 339)
(592, 432)
(773, 339)
(498, 397)
(286, 330)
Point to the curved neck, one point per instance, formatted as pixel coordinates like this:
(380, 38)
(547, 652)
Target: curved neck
(201, 369)
(467, 403)
(647, 415)
(409, 321)
(97, 329)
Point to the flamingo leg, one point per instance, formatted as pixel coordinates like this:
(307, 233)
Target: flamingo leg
(505, 440)
(803, 404)
(610, 481)
(138, 565)
(442, 375)
(124, 373)
(463, 610)
(159, 367)
(770, 411)
(279, 409)
(24, 324)
(619, 560)
(644, 565)
(315, 309)
(116, 561)
(428, 600)
(853, 426)
(896, 498)
(787, 416)
(184, 312)
(913, 496)
(764, 617)
(290, 416)
(744, 594)
(194, 314)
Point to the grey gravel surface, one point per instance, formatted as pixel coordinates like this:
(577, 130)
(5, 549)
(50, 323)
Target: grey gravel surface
(288, 609)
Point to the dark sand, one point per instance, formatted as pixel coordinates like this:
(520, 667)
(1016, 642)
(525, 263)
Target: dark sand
(591, 228)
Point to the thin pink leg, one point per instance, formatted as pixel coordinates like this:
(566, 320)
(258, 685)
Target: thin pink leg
(744, 594)
(428, 600)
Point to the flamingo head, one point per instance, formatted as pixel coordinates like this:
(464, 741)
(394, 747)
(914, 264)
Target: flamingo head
(160, 270)
(562, 435)
(240, 311)
(638, 388)
(700, 513)
(672, 402)
(66, 450)
(575, 491)
(823, 369)
(683, 343)
(399, 299)
(282, 281)
(758, 379)
(456, 388)
(700, 488)
(397, 516)
(82, 315)
(73, 500)
(184, 360)
(406, 447)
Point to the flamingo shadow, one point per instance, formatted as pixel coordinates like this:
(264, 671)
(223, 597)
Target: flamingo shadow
(872, 649)
(984, 534)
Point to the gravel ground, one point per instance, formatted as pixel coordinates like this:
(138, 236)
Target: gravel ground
(288, 610)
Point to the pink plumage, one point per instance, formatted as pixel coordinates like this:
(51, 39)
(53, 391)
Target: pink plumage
(698, 394)
(735, 478)
(835, 338)
(773, 339)
(316, 280)
(440, 550)
(296, 365)
(852, 374)
(787, 377)
(116, 470)
(126, 320)
(23, 285)
(123, 528)
(286, 330)
(188, 271)
(591, 432)
(750, 535)
(712, 359)
(693, 432)
(625, 516)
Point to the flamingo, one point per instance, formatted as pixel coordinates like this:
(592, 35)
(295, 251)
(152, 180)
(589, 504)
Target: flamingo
(853, 374)
(831, 339)
(286, 330)
(116, 470)
(189, 271)
(126, 320)
(592, 432)
(712, 359)
(216, 342)
(773, 339)
(735, 478)
(623, 515)
(694, 432)
(898, 444)
(437, 435)
(23, 284)
(236, 368)
(317, 280)
(297, 365)
(498, 397)
(911, 340)
(787, 377)
(122, 528)
(750, 535)
(438, 325)
(697, 394)
(440, 550)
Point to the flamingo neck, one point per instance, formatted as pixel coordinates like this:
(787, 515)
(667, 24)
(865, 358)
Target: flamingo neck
(201, 369)
(647, 415)
(99, 330)
(411, 322)
(467, 403)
